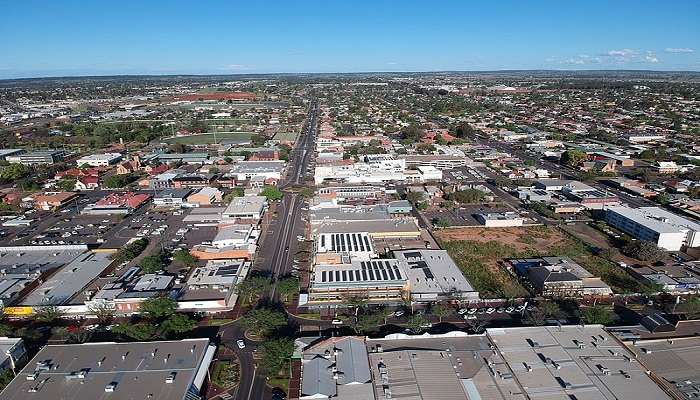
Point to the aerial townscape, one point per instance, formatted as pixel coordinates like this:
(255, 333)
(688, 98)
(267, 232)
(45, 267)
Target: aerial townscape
(506, 231)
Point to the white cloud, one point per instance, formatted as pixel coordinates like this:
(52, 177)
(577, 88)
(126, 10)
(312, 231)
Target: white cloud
(621, 53)
(679, 50)
(651, 57)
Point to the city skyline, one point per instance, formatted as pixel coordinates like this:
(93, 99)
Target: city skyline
(76, 39)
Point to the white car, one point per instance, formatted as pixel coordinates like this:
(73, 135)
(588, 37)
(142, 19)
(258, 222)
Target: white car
(462, 311)
(398, 313)
(337, 322)
(240, 343)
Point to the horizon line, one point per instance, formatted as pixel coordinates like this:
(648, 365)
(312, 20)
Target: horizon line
(165, 75)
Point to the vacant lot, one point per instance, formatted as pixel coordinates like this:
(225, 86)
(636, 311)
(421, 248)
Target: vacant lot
(478, 252)
(208, 138)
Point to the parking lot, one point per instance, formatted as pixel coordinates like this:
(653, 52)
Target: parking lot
(464, 215)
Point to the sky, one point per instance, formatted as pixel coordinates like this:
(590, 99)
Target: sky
(99, 37)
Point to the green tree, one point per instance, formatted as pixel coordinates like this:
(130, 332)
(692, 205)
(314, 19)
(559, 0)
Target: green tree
(14, 172)
(103, 312)
(272, 193)
(118, 181)
(48, 313)
(66, 184)
(441, 311)
(184, 258)
(178, 324)
(597, 315)
(6, 330)
(417, 323)
(152, 264)
(467, 196)
(140, 331)
(415, 197)
(264, 321)
(158, 307)
(441, 222)
(306, 193)
(275, 353)
(130, 251)
(644, 250)
(235, 192)
(550, 309)
(288, 286)
(366, 323)
(5, 378)
(252, 287)
(572, 157)
(356, 302)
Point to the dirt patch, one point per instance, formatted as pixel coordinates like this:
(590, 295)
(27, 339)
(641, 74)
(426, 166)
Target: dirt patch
(518, 239)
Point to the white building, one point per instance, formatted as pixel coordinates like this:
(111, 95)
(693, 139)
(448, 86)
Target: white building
(669, 231)
(246, 207)
(99, 160)
(500, 220)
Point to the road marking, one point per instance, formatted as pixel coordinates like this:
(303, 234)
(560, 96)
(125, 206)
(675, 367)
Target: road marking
(252, 383)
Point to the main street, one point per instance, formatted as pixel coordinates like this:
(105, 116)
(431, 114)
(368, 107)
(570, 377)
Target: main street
(273, 252)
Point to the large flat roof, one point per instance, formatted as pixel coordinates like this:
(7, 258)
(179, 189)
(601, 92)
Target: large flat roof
(433, 271)
(581, 361)
(69, 280)
(656, 219)
(138, 370)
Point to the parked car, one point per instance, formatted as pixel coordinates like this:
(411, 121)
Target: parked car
(398, 313)
(240, 343)
(462, 311)
(337, 322)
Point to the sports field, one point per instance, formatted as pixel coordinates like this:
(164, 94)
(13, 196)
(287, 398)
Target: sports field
(208, 138)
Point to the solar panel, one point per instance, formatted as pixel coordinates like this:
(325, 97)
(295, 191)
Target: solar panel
(367, 243)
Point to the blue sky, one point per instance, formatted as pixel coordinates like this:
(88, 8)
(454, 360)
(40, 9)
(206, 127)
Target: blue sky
(67, 38)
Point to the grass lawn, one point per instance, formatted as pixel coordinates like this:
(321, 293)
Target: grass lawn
(281, 380)
(309, 315)
(208, 138)
(219, 322)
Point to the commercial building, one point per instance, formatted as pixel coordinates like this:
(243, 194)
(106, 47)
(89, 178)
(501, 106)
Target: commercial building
(673, 362)
(21, 266)
(205, 196)
(434, 276)
(99, 160)
(4, 153)
(336, 368)
(559, 277)
(36, 157)
(51, 200)
(171, 198)
(13, 353)
(380, 280)
(211, 288)
(69, 280)
(247, 170)
(117, 203)
(336, 248)
(669, 231)
(571, 362)
(500, 220)
(246, 207)
(440, 161)
(163, 370)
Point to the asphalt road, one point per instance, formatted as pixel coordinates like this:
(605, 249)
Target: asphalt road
(273, 254)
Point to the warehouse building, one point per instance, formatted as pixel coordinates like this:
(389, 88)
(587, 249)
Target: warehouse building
(165, 370)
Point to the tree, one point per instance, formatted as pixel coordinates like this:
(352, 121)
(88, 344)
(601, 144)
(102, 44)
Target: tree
(252, 287)
(152, 264)
(441, 311)
(118, 181)
(103, 311)
(130, 251)
(596, 315)
(550, 309)
(177, 324)
(417, 323)
(644, 250)
(13, 172)
(48, 313)
(263, 321)
(691, 307)
(366, 322)
(288, 286)
(140, 331)
(275, 353)
(535, 317)
(306, 193)
(467, 196)
(572, 157)
(442, 222)
(184, 258)
(384, 313)
(235, 192)
(158, 307)
(271, 193)
(355, 302)
(476, 325)
(6, 330)
(66, 184)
